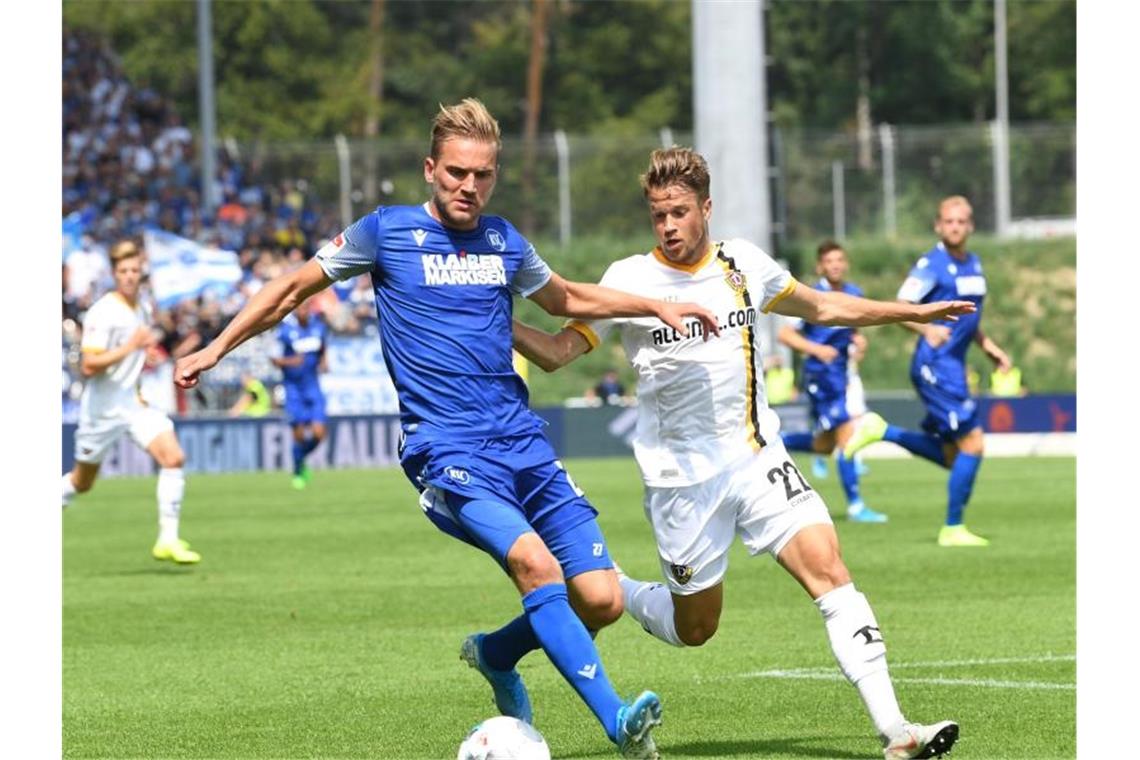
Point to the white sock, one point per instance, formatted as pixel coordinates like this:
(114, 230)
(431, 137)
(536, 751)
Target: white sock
(651, 604)
(171, 486)
(68, 489)
(861, 653)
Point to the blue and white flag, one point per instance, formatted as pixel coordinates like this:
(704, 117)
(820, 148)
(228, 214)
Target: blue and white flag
(181, 268)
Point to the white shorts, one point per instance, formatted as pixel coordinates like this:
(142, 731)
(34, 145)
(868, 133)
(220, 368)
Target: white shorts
(763, 498)
(94, 438)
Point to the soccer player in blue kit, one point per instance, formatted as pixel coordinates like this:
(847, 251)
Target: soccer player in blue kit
(952, 432)
(825, 379)
(302, 337)
(444, 275)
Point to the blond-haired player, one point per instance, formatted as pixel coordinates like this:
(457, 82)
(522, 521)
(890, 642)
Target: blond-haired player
(951, 434)
(116, 335)
(709, 447)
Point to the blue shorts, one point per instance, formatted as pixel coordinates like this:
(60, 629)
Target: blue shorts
(488, 493)
(828, 407)
(950, 412)
(304, 405)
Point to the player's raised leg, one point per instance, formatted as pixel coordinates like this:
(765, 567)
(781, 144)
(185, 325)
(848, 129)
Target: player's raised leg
(812, 557)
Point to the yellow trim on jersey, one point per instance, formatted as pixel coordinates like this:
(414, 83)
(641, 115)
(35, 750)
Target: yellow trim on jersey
(123, 298)
(91, 350)
(689, 268)
(787, 291)
(586, 332)
(749, 368)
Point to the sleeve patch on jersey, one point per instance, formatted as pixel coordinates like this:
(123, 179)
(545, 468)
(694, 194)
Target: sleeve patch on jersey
(586, 332)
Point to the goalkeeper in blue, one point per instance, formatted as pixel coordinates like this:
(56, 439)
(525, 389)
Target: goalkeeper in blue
(951, 435)
(444, 275)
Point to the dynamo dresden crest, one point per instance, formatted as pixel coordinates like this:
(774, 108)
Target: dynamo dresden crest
(736, 281)
(681, 573)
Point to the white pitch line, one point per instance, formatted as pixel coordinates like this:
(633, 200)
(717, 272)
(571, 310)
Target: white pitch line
(829, 674)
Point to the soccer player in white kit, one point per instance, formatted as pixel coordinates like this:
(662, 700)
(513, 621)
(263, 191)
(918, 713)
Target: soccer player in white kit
(116, 334)
(709, 448)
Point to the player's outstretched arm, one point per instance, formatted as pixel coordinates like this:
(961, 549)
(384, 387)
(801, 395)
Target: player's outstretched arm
(833, 308)
(549, 352)
(267, 307)
(581, 300)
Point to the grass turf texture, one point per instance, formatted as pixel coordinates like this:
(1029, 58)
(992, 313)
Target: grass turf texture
(326, 623)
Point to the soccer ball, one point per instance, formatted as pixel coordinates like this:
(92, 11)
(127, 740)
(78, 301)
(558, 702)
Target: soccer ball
(503, 738)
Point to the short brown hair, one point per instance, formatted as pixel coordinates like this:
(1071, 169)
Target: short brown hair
(124, 249)
(467, 119)
(677, 166)
(826, 247)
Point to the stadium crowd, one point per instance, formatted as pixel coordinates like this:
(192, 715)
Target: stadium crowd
(130, 164)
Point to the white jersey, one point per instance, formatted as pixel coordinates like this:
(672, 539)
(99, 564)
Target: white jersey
(701, 405)
(108, 324)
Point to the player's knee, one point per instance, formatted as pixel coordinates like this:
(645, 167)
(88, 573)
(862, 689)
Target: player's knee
(534, 566)
(601, 609)
(171, 460)
(695, 632)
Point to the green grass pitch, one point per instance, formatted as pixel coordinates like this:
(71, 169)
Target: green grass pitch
(326, 624)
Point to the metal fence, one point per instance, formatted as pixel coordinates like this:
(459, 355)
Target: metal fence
(883, 183)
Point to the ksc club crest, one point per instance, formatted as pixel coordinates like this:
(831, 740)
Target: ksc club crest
(495, 240)
(736, 281)
(681, 573)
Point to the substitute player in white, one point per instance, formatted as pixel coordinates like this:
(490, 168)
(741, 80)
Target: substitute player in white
(708, 445)
(116, 335)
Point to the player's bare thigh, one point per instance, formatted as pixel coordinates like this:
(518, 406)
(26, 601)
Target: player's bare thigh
(813, 559)
(83, 475)
(166, 450)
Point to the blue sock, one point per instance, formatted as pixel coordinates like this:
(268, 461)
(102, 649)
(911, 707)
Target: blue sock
(569, 646)
(502, 649)
(298, 457)
(797, 441)
(962, 475)
(848, 478)
(920, 444)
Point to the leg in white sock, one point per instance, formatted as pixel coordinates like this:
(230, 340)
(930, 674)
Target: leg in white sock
(861, 653)
(651, 604)
(68, 489)
(171, 486)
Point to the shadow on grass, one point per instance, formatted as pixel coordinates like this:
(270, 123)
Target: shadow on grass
(774, 748)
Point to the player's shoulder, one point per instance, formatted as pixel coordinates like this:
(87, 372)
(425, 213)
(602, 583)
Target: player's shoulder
(852, 289)
(110, 305)
(746, 254)
(932, 259)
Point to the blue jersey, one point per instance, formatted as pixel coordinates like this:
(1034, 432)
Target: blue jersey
(305, 340)
(829, 378)
(940, 276)
(444, 299)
